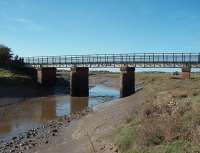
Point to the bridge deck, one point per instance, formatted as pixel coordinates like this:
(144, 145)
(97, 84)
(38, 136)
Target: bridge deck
(142, 60)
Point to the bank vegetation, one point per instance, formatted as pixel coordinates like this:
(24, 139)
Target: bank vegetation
(168, 121)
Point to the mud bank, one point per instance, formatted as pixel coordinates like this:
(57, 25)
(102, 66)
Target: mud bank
(42, 135)
(90, 133)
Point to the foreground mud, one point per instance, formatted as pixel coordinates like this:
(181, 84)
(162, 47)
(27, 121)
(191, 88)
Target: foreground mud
(26, 142)
(91, 133)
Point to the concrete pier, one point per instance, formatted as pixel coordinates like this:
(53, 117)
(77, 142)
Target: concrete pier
(32, 72)
(186, 71)
(46, 76)
(127, 84)
(79, 86)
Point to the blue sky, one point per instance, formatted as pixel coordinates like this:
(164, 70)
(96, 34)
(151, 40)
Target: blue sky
(62, 27)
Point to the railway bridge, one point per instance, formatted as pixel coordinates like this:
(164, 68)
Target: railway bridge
(43, 68)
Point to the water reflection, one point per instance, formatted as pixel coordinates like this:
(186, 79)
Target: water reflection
(34, 112)
(78, 104)
(48, 110)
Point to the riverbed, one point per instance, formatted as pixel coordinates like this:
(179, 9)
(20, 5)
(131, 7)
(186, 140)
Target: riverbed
(36, 111)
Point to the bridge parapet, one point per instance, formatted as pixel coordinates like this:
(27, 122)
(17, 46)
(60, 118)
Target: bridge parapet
(148, 60)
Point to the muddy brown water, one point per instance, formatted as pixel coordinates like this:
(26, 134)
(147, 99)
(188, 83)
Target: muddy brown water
(34, 112)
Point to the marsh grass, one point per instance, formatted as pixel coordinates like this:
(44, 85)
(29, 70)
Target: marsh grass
(168, 121)
(9, 78)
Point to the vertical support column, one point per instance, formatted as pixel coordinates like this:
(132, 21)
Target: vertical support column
(79, 82)
(127, 81)
(186, 71)
(46, 76)
(32, 72)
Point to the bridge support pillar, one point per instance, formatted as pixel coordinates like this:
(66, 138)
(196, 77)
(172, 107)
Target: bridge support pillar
(79, 82)
(127, 84)
(46, 76)
(32, 72)
(186, 71)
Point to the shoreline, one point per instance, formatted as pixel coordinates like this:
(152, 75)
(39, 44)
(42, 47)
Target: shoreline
(31, 139)
(41, 135)
(95, 125)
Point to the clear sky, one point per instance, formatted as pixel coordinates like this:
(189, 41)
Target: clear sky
(62, 27)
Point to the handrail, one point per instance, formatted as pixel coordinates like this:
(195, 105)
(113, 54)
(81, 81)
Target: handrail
(128, 58)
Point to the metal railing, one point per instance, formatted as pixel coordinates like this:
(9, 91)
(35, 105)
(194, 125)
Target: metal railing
(116, 60)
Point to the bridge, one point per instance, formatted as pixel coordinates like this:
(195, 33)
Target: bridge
(43, 68)
(141, 60)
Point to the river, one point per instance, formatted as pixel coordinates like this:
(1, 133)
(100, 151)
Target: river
(34, 112)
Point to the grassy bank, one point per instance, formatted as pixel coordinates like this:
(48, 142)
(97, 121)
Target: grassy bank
(169, 119)
(10, 77)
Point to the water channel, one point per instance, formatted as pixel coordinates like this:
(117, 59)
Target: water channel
(31, 113)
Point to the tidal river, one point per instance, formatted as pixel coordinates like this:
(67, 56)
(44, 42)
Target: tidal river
(31, 113)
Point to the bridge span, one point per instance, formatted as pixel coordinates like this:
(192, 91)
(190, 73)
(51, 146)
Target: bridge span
(43, 68)
(141, 60)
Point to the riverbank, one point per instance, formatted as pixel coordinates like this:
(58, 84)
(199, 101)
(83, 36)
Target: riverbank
(92, 132)
(165, 104)
(41, 135)
(16, 87)
(119, 126)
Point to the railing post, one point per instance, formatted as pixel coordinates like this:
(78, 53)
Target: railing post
(149, 58)
(182, 58)
(153, 57)
(59, 59)
(153, 60)
(199, 58)
(163, 57)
